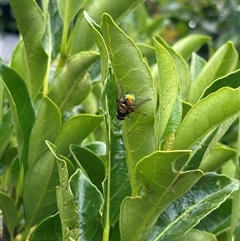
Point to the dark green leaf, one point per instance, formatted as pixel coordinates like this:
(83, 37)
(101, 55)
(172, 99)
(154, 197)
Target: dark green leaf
(183, 214)
(9, 210)
(6, 131)
(48, 230)
(21, 107)
(92, 165)
(89, 202)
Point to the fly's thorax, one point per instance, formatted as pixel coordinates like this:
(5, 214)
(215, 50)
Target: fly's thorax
(129, 98)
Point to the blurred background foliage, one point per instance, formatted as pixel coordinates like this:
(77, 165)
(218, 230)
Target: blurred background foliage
(220, 19)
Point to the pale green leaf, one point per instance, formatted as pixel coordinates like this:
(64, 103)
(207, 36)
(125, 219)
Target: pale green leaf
(207, 114)
(189, 44)
(221, 63)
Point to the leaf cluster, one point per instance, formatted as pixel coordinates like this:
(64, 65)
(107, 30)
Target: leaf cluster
(71, 170)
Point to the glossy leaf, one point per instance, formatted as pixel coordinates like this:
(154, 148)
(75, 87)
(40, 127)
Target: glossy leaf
(184, 213)
(89, 202)
(48, 118)
(91, 163)
(97, 147)
(31, 23)
(76, 130)
(82, 38)
(72, 84)
(9, 210)
(134, 75)
(22, 109)
(218, 220)
(201, 118)
(117, 186)
(48, 229)
(163, 182)
(221, 63)
(65, 200)
(55, 25)
(189, 44)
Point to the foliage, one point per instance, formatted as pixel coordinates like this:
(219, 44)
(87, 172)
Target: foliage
(71, 170)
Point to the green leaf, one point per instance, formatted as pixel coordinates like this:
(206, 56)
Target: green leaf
(22, 109)
(17, 60)
(31, 24)
(216, 158)
(9, 210)
(72, 84)
(218, 220)
(231, 80)
(82, 38)
(189, 44)
(39, 192)
(97, 147)
(92, 165)
(196, 65)
(75, 130)
(65, 200)
(48, 118)
(89, 202)
(167, 89)
(200, 150)
(221, 63)
(101, 45)
(201, 118)
(134, 75)
(163, 182)
(55, 28)
(69, 8)
(180, 65)
(184, 213)
(197, 235)
(48, 229)
(6, 132)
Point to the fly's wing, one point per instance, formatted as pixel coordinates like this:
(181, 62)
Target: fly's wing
(140, 103)
(121, 96)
